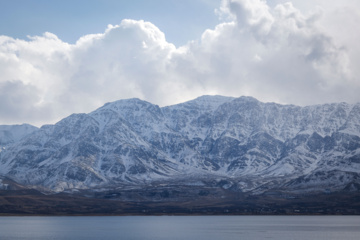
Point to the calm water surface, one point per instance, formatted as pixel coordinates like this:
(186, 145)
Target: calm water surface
(187, 227)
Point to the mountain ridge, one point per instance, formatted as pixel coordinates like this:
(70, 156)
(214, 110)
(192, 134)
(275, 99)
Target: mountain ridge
(250, 145)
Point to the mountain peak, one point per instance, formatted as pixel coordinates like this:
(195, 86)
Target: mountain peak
(126, 102)
(248, 99)
(205, 102)
(127, 106)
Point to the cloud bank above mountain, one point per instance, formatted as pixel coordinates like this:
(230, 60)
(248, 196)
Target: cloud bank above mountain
(274, 52)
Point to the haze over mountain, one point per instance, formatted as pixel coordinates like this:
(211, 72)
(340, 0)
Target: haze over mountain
(240, 144)
(13, 133)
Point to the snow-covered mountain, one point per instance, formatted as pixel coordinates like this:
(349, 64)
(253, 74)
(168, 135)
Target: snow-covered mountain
(239, 143)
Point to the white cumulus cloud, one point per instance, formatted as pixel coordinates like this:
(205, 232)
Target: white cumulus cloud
(273, 52)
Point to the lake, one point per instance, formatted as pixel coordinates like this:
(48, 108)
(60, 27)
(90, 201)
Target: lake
(181, 227)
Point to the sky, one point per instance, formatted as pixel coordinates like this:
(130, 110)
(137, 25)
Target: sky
(64, 57)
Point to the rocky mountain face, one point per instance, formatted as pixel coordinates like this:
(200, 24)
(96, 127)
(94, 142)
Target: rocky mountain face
(240, 144)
